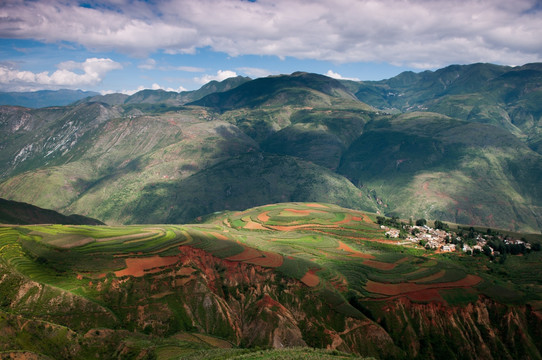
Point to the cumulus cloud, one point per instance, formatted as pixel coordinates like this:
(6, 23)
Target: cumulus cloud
(70, 74)
(403, 32)
(154, 86)
(220, 75)
(338, 76)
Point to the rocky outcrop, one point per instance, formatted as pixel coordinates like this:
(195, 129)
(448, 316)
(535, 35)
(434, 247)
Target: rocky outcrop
(481, 330)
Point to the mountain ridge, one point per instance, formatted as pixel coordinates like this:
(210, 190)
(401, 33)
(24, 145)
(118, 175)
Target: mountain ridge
(103, 160)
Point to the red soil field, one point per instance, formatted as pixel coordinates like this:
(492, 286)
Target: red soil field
(346, 220)
(137, 266)
(316, 206)
(379, 265)
(430, 277)
(354, 253)
(426, 295)
(252, 225)
(403, 288)
(269, 259)
(310, 278)
(257, 257)
(263, 217)
(312, 227)
(247, 254)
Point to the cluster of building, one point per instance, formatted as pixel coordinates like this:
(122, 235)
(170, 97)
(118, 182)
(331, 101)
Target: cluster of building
(446, 241)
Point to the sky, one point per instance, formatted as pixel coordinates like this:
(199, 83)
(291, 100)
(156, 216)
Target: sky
(177, 45)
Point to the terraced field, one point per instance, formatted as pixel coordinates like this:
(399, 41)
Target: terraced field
(341, 255)
(324, 246)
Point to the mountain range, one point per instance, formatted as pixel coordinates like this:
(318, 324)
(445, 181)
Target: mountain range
(274, 218)
(44, 98)
(460, 144)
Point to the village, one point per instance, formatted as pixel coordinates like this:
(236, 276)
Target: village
(472, 242)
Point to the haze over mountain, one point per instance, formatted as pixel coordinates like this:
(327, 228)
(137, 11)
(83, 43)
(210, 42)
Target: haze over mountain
(43, 98)
(468, 157)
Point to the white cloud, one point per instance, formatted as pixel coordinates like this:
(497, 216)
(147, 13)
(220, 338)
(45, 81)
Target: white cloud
(89, 72)
(338, 76)
(148, 64)
(189, 69)
(220, 75)
(256, 72)
(406, 32)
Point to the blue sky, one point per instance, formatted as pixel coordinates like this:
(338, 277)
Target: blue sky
(127, 45)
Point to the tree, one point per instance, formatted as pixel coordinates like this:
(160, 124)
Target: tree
(421, 222)
(440, 225)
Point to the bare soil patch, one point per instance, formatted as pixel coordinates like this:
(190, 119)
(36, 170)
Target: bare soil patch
(310, 278)
(139, 266)
(252, 225)
(257, 257)
(264, 217)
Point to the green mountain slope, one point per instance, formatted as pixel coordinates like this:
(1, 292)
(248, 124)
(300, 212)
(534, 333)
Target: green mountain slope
(428, 165)
(508, 97)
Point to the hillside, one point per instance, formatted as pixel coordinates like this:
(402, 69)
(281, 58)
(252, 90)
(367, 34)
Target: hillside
(151, 158)
(280, 275)
(12, 212)
(507, 97)
(435, 167)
